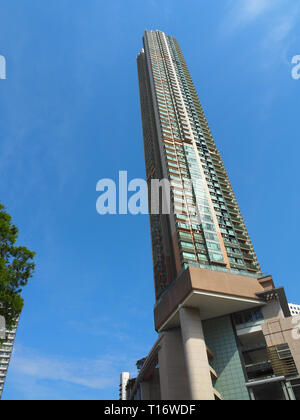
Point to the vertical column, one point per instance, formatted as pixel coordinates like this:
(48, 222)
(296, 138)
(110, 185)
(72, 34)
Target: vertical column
(290, 391)
(285, 391)
(145, 391)
(197, 365)
(172, 369)
(251, 393)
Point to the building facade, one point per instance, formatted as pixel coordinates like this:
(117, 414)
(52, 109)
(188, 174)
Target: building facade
(295, 309)
(225, 331)
(124, 379)
(5, 355)
(208, 228)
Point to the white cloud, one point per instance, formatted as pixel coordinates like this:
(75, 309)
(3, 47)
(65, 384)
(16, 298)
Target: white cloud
(242, 12)
(250, 9)
(30, 367)
(277, 20)
(89, 373)
(282, 29)
(86, 373)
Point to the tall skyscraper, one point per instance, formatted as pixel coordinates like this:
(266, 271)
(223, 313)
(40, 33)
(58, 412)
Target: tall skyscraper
(225, 331)
(210, 230)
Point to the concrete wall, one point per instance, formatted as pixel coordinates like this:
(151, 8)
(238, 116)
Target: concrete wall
(150, 390)
(272, 310)
(280, 331)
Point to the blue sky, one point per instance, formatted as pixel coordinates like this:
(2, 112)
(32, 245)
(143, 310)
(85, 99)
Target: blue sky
(69, 116)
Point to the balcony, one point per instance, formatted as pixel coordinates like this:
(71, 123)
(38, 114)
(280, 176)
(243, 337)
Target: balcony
(260, 366)
(239, 228)
(252, 267)
(235, 220)
(244, 246)
(227, 196)
(221, 176)
(260, 370)
(248, 259)
(253, 347)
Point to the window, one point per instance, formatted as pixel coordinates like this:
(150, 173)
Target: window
(202, 257)
(251, 316)
(187, 245)
(216, 257)
(213, 246)
(189, 256)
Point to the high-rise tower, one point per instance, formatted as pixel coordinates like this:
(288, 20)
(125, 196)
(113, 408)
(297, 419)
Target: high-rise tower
(206, 227)
(225, 331)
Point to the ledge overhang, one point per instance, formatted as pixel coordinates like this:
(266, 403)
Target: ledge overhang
(214, 293)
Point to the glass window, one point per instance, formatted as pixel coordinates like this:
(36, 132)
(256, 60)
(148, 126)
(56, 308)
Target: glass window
(202, 257)
(189, 256)
(213, 246)
(216, 257)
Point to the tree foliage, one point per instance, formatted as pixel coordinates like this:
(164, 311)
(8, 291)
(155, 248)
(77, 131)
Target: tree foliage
(16, 268)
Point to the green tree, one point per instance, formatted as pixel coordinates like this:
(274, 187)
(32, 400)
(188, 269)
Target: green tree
(16, 268)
